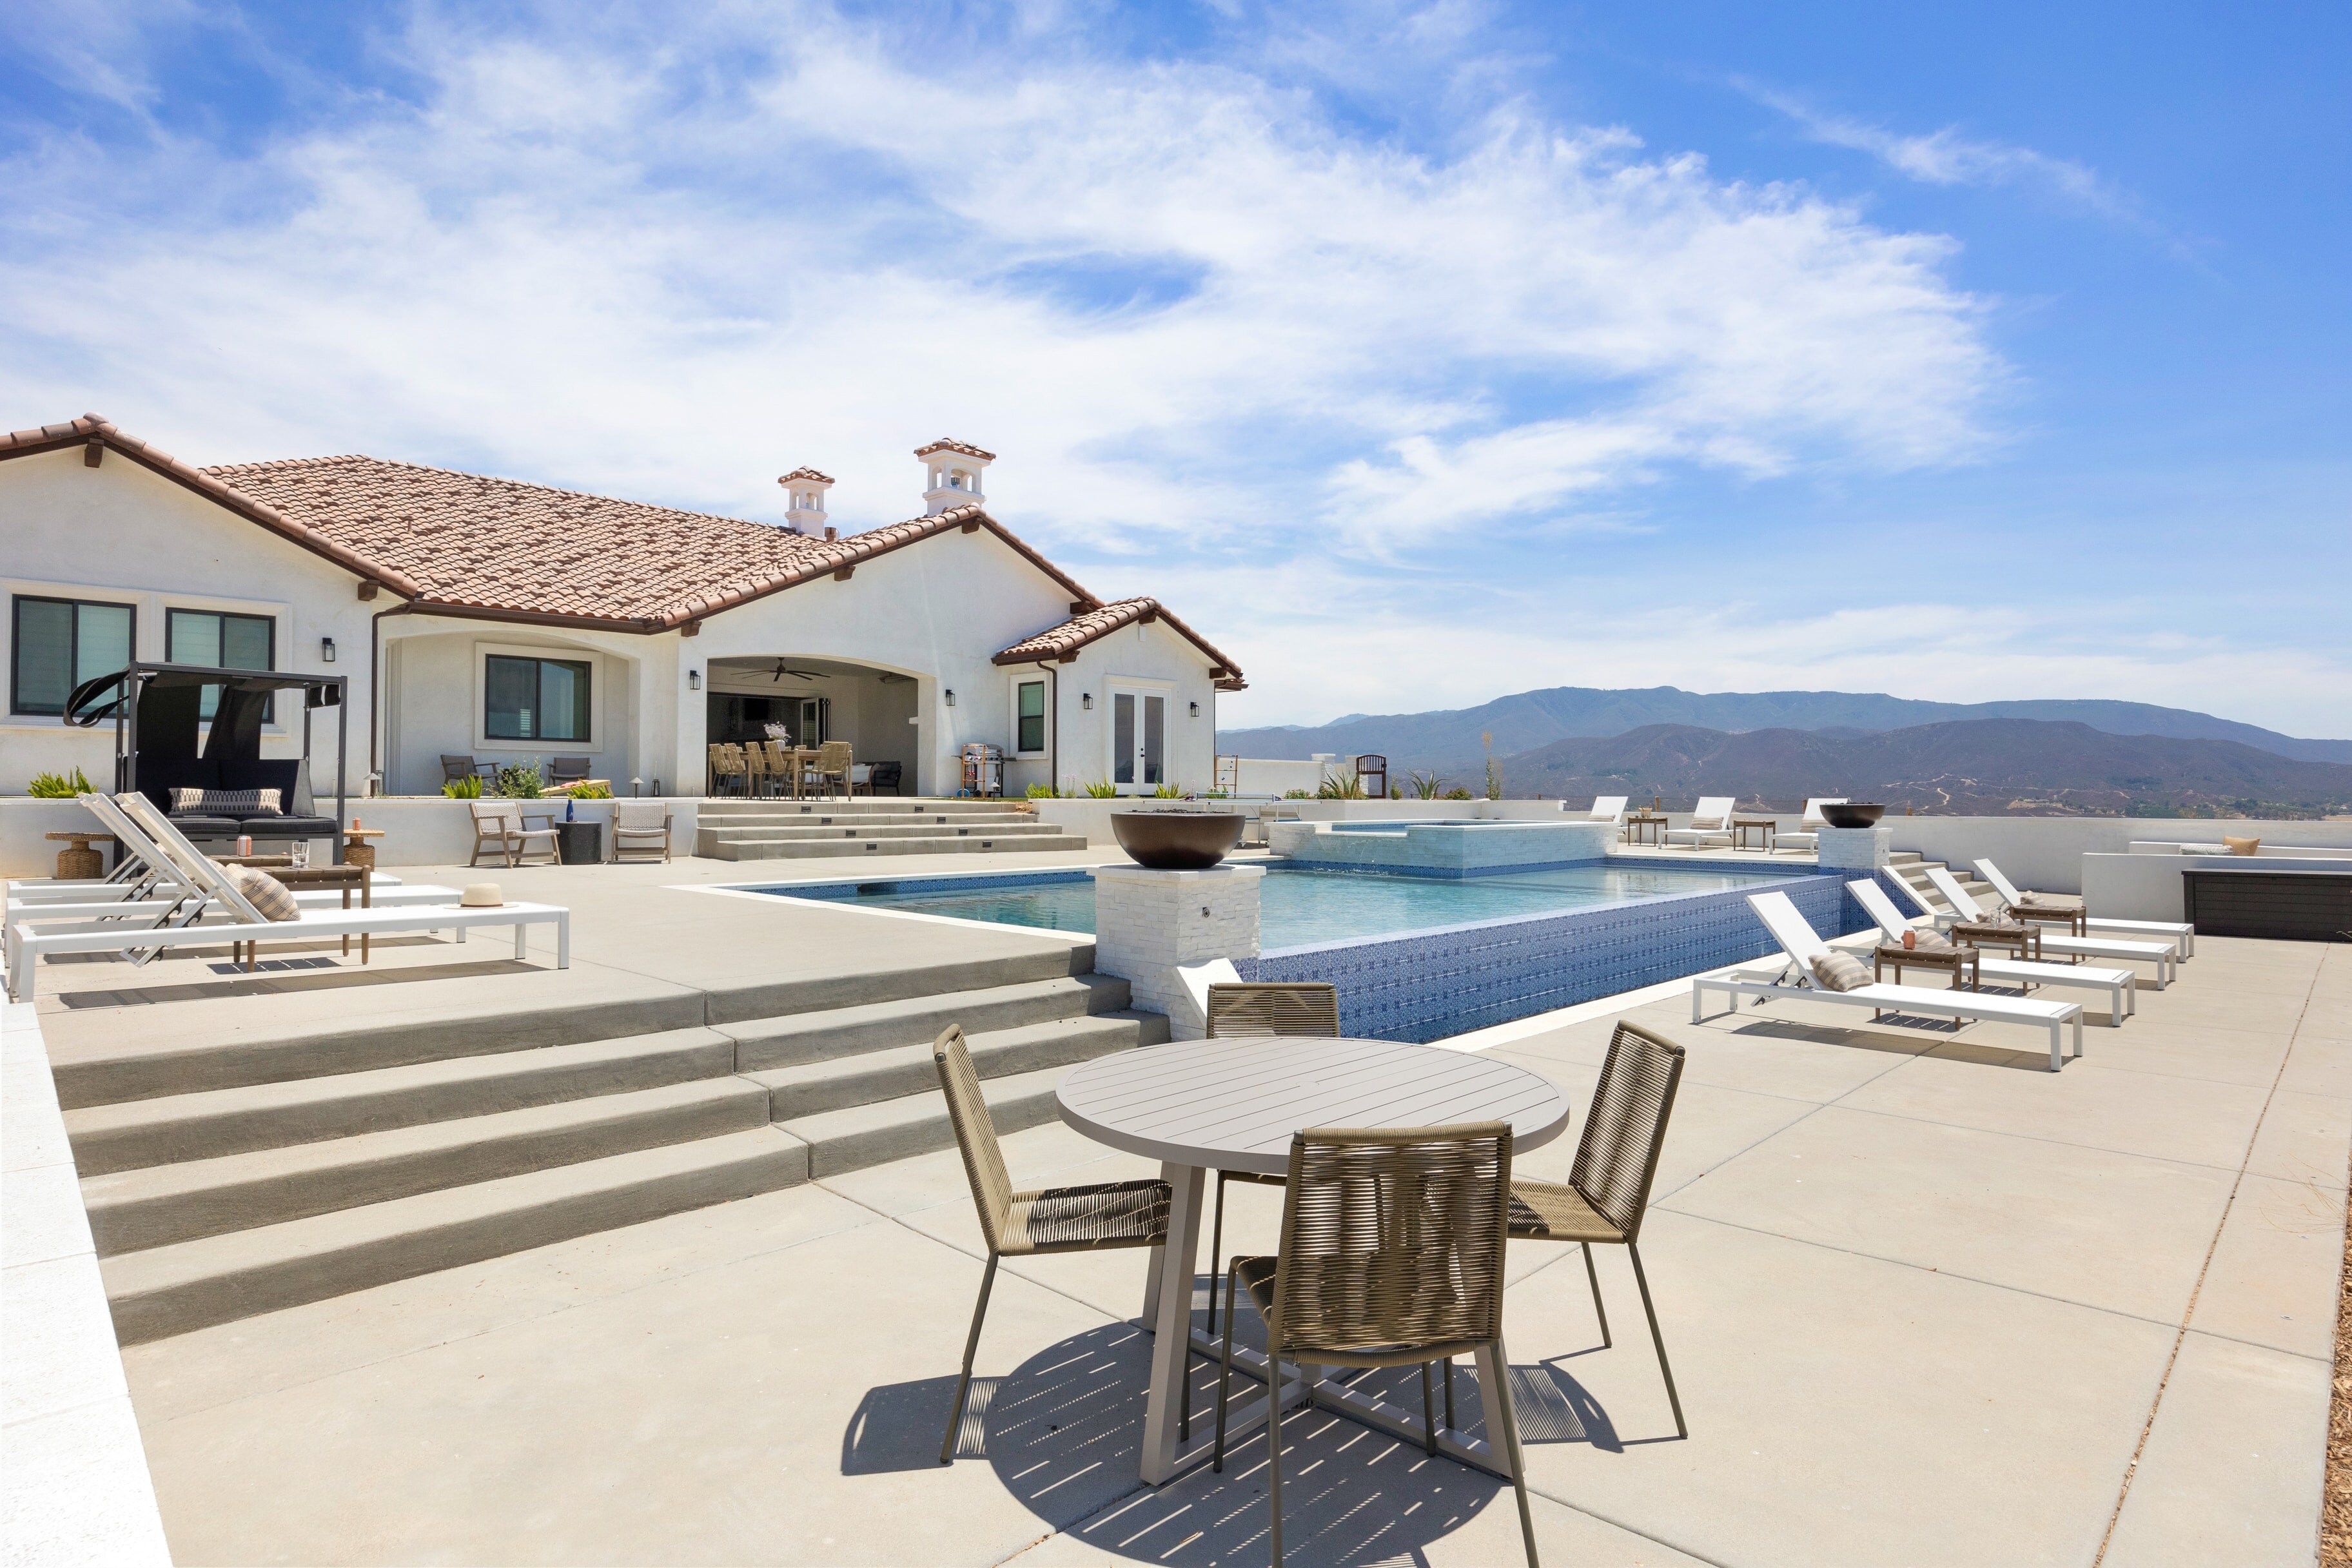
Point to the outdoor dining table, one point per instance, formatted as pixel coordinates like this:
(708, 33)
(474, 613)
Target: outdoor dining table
(1233, 1105)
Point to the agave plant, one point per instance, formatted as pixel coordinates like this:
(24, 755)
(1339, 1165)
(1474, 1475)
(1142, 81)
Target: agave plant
(1425, 787)
(467, 788)
(56, 786)
(1342, 786)
(1102, 789)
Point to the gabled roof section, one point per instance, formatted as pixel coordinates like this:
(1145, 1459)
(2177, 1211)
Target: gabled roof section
(466, 545)
(1060, 644)
(93, 429)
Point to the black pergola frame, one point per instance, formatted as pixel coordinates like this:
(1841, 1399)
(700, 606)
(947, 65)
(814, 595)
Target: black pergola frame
(131, 682)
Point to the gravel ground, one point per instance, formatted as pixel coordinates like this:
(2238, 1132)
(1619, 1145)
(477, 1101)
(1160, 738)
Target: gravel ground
(2335, 1510)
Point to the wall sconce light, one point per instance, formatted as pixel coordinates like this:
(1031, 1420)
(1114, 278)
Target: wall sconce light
(1196, 709)
(694, 680)
(1086, 701)
(950, 696)
(327, 649)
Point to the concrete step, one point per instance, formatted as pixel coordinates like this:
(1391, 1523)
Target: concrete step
(861, 1135)
(145, 1068)
(814, 1087)
(804, 833)
(882, 805)
(213, 1123)
(762, 1044)
(831, 816)
(189, 1285)
(154, 1207)
(719, 848)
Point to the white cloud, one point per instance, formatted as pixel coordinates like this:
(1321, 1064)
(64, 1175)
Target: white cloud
(1946, 157)
(579, 255)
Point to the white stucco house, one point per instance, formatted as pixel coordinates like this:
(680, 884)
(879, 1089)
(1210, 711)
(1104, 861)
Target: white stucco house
(499, 620)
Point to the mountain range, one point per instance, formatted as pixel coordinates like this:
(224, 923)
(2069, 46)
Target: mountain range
(1449, 739)
(1985, 767)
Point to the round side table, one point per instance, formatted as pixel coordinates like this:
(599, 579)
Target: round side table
(78, 862)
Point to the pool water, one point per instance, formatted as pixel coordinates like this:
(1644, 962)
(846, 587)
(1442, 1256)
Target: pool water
(1302, 909)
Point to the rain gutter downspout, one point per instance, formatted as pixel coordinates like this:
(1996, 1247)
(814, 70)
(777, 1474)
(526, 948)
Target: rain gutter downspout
(1053, 727)
(376, 693)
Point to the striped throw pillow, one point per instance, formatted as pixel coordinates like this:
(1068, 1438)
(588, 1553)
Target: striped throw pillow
(225, 803)
(1840, 971)
(265, 894)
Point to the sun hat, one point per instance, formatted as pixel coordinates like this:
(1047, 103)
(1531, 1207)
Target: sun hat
(481, 896)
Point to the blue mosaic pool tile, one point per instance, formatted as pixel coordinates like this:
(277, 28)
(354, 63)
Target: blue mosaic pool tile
(1431, 985)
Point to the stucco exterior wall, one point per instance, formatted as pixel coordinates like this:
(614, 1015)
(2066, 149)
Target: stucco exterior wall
(122, 534)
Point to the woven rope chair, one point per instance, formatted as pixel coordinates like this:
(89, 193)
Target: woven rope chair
(834, 759)
(1021, 1225)
(1272, 1010)
(1608, 1188)
(1391, 1255)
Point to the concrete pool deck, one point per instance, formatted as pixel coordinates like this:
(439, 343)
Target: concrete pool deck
(1926, 1303)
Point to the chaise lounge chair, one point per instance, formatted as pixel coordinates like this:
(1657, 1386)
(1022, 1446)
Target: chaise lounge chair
(2180, 932)
(1803, 945)
(1964, 907)
(2123, 995)
(1608, 809)
(1710, 822)
(1807, 834)
(247, 925)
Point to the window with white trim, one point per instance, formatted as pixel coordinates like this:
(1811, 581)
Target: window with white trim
(1029, 718)
(534, 698)
(55, 644)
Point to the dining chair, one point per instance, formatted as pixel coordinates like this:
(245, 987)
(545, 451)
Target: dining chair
(1029, 1224)
(755, 768)
(1608, 1188)
(568, 769)
(832, 761)
(1270, 1010)
(1391, 1255)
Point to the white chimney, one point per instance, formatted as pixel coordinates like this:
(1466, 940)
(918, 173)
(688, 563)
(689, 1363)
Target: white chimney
(954, 471)
(804, 491)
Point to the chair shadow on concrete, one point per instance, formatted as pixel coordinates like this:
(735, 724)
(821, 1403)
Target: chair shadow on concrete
(1063, 1432)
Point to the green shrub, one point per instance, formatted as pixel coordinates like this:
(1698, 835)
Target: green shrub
(1044, 792)
(520, 781)
(467, 788)
(56, 786)
(1167, 792)
(1457, 792)
(1297, 794)
(1493, 774)
(591, 791)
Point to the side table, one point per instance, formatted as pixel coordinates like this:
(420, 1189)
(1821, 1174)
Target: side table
(357, 850)
(1963, 963)
(580, 842)
(2076, 922)
(1643, 828)
(78, 862)
(1762, 826)
(346, 878)
(2026, 941)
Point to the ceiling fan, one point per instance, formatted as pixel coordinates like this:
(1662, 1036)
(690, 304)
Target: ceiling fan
(783, 669)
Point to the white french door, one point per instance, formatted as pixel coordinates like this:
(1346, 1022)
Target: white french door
(1137, 762)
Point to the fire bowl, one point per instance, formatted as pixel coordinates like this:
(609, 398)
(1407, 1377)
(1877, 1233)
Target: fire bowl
(1177, 841)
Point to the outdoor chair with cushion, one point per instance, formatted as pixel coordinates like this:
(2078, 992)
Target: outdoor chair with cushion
(1609, 808)
(1807, 834)
(1608, 1188)
(1391, 1256)
(1023, 1224)
(2120, 985)
(756, 772)
(500, 824)
(1710, 824)
(880, 776)
(640, 827)
(455, 769)
(1966, 914)
(568, 769)
(2177, 931)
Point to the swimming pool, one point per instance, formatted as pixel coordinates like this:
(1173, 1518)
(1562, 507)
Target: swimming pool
(1303, 908)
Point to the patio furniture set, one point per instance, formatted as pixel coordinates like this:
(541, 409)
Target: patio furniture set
(641, 830)
(772, 769)
(1716, 824)
(1395, 1163)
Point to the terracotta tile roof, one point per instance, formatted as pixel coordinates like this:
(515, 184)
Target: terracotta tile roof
(804, 474)
(1061, 643)
(947, 444)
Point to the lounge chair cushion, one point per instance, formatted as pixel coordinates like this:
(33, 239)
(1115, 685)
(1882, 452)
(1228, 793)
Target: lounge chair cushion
(2242, 845)
(1932, 940)
(265, 893)
(225, 803)
(1840, 971)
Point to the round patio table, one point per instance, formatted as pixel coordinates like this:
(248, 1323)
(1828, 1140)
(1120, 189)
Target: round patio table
(1233, 1105)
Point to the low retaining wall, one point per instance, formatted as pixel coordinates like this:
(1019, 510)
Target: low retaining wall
(1440, 849)
(1434, 984)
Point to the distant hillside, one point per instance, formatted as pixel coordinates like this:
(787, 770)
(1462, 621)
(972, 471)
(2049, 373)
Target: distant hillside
(1979, 767)
(1448, 740)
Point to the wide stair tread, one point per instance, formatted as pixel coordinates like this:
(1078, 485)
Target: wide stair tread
(210, 1122)
(755, 848)
(192, 1284)
(856, 1136)
(765, 1043)
(159, 1205)
(819, 833)
(811, 1088)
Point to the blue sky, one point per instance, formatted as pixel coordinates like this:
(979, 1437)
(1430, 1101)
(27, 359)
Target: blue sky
(1415, 353)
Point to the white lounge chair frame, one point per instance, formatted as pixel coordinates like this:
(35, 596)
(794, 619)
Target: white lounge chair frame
(2180, 933)
(1799, 941)
(1608, 809)
(2123, 992)
(26, 945)
(1715, 809)
(1807, 834)
(1964, 907)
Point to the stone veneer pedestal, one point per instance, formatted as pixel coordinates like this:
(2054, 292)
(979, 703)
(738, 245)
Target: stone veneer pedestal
(1148, 924)
(1854, 849)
